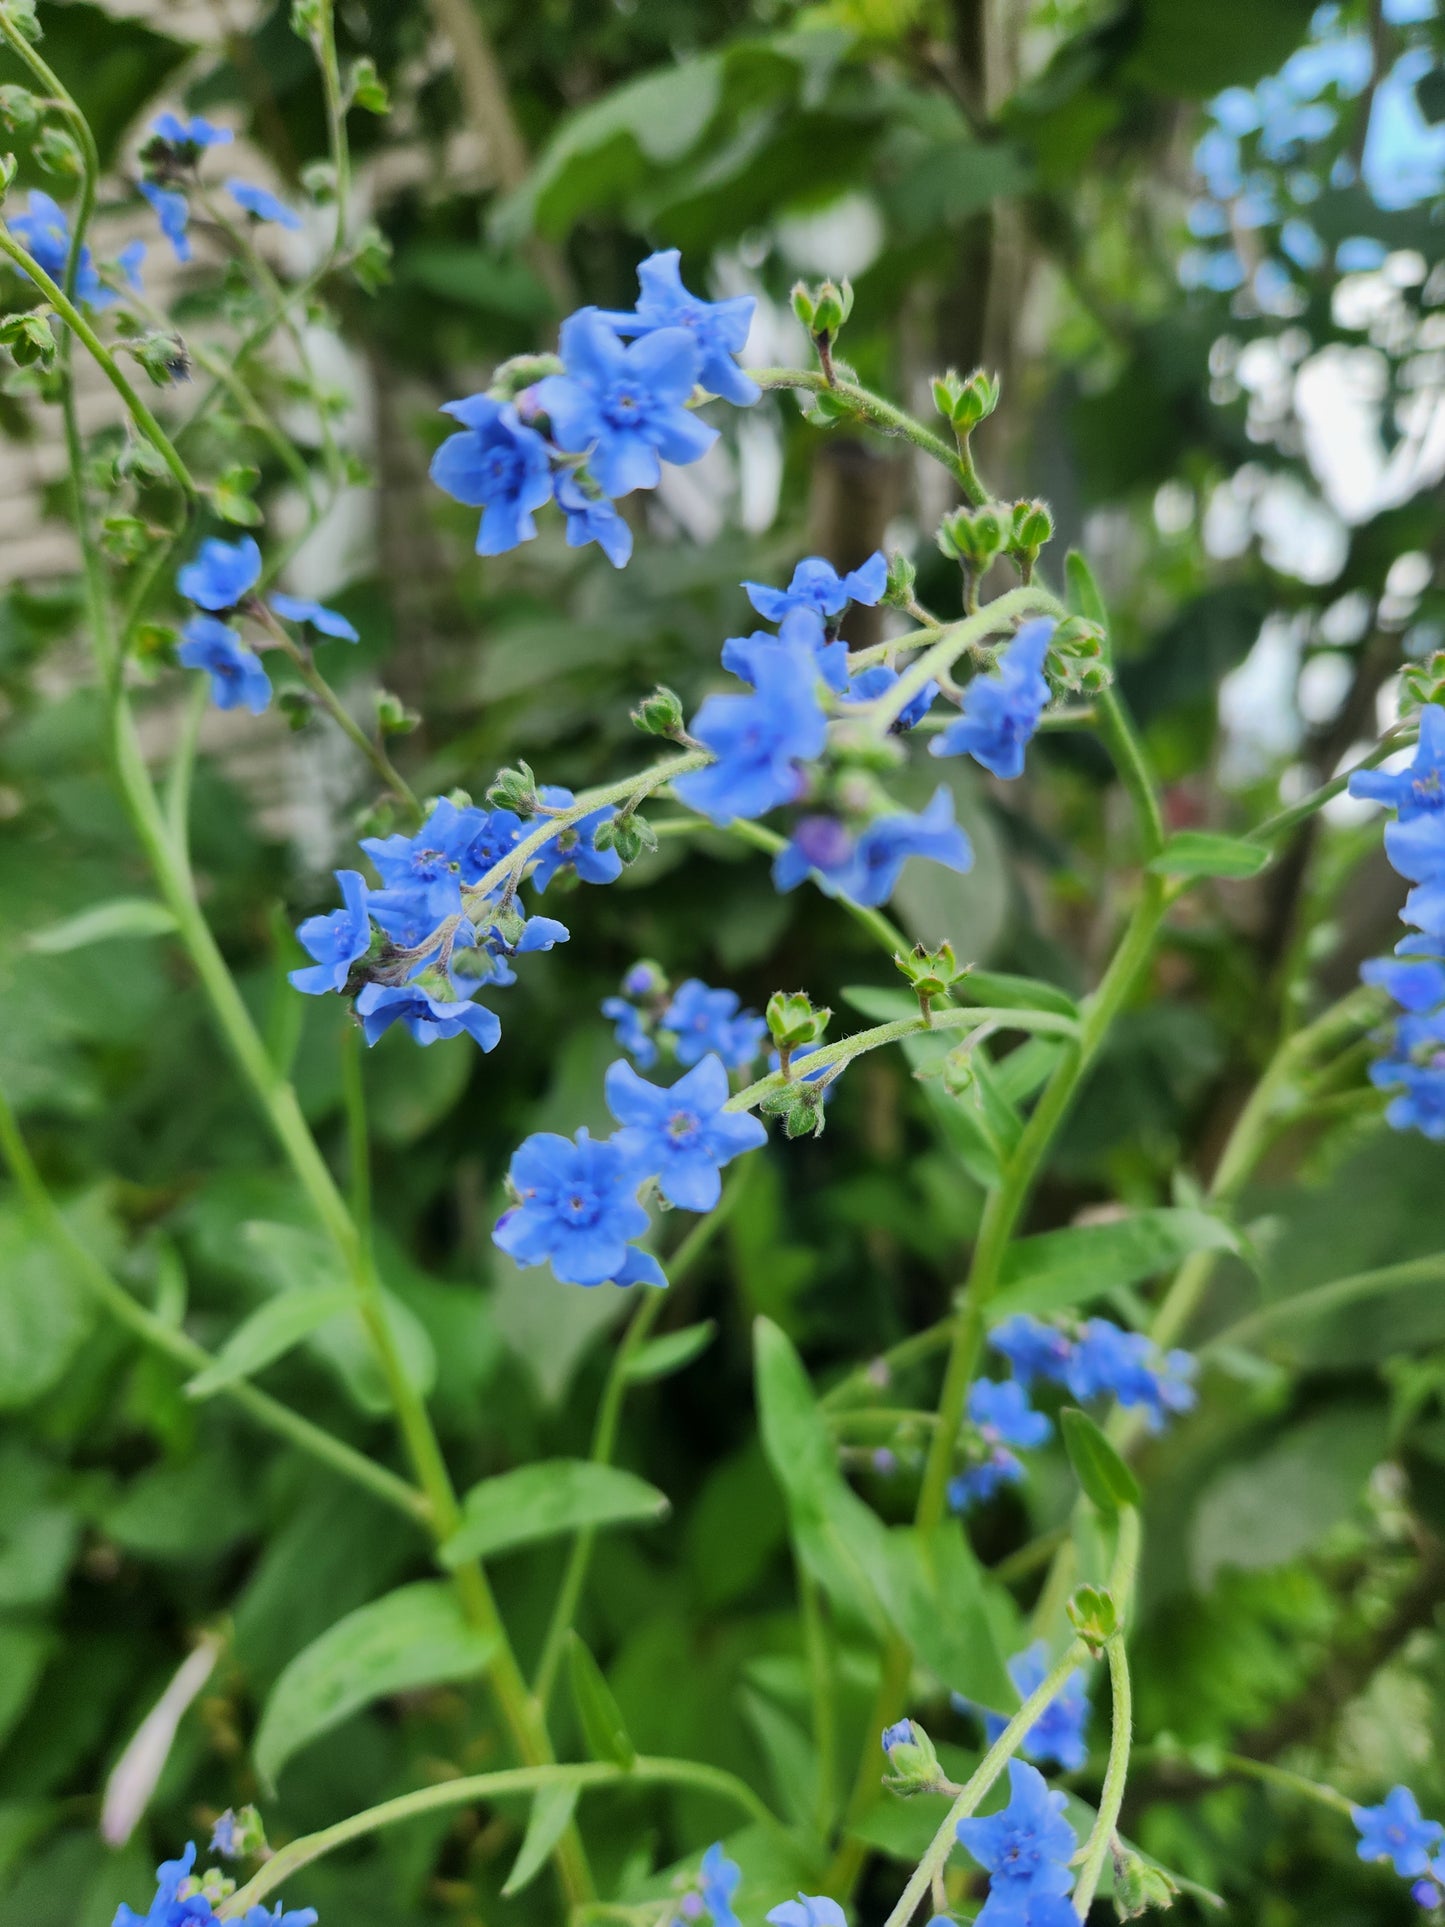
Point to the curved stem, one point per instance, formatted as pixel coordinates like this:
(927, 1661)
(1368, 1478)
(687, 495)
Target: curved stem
(1111, 1800)
(885, 417)
(954, 641)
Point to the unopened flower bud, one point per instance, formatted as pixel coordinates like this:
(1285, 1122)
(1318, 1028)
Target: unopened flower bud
(644, 979)
(58, 154)
(1033, 525)
(912, 1763)
(514, 789)
(511, 377)
(1093, 1615)
(659, 714)
(239, 1835)
(972, 536)
(20, 110)
(793, 1019)
(1139, 1885)
(800, 1106)
(965, 401)
(393, 718)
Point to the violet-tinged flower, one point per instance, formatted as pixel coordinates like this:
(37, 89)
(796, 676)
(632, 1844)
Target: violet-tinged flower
(868, 870)
(326, 622)
(577, 1208)
(1426, 1894)
(719, 1878)
(258, 201)
(221, 574)
(1034, 1349)
(624, 405)
(497, 464)
(681, 1135)
(173, 211)
(701, 1020)
(1026, 1848)
(720, 328)
(876, 680)
(808, 1910)
(1396, 1831)
(1418, 790)
(194, 132)
(818, 589)
(238, 678)
(977, 1484)
(591, 518)
(427, 1017)
(1001, 1411)
(336, 941)
(427, 865)
(1000, 712)
(1422, 1105)
(630, 1030)
(575, 848)
(758, 740)
(45, 233)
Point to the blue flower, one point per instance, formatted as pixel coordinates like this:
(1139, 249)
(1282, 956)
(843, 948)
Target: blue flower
(128, 261)
(498, 465)
(173, 211)
(238, 678)
(1057, 1735)
(1422, 1107)
(718, 1881)
(1001, 712)
(1001, 1411)
(1395, 1831)
(741, 655)
(336, 941)
(624, 405)
(1109, 1362)
(808, 1910)
(427, 1017)
(221, 574)
(978, 1484)
(326, 622)
(868, 870)
(496, 833)
(818, 590)
(194, 132)
(575, 848)
(262, 204)
(681, 1135)
(592, 518)
(576, 1208)
(631, 1032)
(1026, 1848)
(702, 1020)
(720, 328)
(758, 741)
(899, 1734)
(1418, 790)
(169, 1908)
(426, 867)
(45, 232)
(1426, 1894)
(1416, 984)
(1034, 1349)
(876, 680)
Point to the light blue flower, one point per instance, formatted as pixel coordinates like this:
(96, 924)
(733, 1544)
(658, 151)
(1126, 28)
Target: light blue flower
(623, 405)
(720, 328)
(497, 464)
(326, 622)
(238, 678)
(681, 1134)
(262, 204)
(221, 574)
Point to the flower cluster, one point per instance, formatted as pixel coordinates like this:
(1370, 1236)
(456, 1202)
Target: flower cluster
(1091, 1360)
(577, 1205)
(1025, 1850)
(1057, 1736)
(184, 1899)
(170, 172)
(1396, 1831)
(601, 424)
(220, 581)
(1415, 977)
(688, 1020)
(710, 1897)
(45, 232)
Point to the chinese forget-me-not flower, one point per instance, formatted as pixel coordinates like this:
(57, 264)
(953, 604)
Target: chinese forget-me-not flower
(758, 740)
(1396, 1831)
(867, 868)
(194, 132)
(681, 1135)
(1000, 712)
(720, 328)
(630, 1030)
(45, 232)
(817, 589)
(1419, 789)
(1057, 1735)
(326, 622)
(700, 1019)
(429, 1018)
(1033, 1349)
(173, 211)
(1001, 1411)
(591, 518)
(575, 847)
(808, 1910)
(576, 1209)
(238, 677)
(262, 204)
(718, 1881)
(497, 464)
(428, 864)
(876, 680)
(336, 941)
(623, 404)
(1026, 1848)
(221, 574)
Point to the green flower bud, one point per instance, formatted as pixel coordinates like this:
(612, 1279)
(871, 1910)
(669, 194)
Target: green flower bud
(366, 89)
(58, 154)
(125, 537)
(972, 536)
(800, 1106)
(902, 580)
(1033, 525)
(957, 1071)
(826, 410)
(20, 109)
(393, 718)
(514, 789)
(371, 258)
(912, 1763)
(163, 356)
(629, 835)
(932, 973)
(965, 401)
(297, 706)
(659, 714)
(1139, 1885)
(30, 339)
(793, 1019)
(824, 309)
(511, 377)
(1093, 1615)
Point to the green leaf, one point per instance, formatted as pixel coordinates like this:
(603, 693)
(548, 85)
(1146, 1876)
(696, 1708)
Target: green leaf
(549, 1819)
(1085, 598)
(1202, 853)
(939, 1596)
(1100, 1471)
(23, 1653)
(540, 1501)
(1057, 1269)
(45, 1313)
(103, 923)
(670, 1353)
(602, 1725)
(411, 1638)
(268, 1334)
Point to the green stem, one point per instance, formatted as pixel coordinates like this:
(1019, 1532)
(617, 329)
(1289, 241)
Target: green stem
(954, 641)
(176, 1345)
(1400, 736)
(884, 416)
(821, 1689)
(609, 1416)
(1340, 1291)
(1111, 1800)
(479, 1787)
(335, 118)
(979, 1782)
(358, 1144)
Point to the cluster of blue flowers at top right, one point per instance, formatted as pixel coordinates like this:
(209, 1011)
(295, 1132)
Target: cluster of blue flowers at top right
(1414, 1063)
(1094, 1359)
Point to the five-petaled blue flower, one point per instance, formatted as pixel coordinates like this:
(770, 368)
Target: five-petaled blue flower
(1026, 1848)
(591, 518)
(178, 1903)
(497, 464)
(977, 1484)
(808, 1910)
(817, 593)
(221, 574)
(574, 847)
(1057, 1735)
(700, 1019)
(1396, 1831)
(718, 1881)
(681, 1135)
(194, 132)
(1418, 790)
(262, 204)
(623, 405)
(336, 941)
(426, 867)
(631, 1031)
(238, 677)
(326, 622)
(1421, 1107)
(1417, 984)
(1033, 1349)
(876, 680)
(577, 1209)
(741, 655)
(758, 740)
(1001, 1411)
(173, 211)
(45, 232)
(720, 328)
(868, 869)
(1001, 712)
(429, 1018)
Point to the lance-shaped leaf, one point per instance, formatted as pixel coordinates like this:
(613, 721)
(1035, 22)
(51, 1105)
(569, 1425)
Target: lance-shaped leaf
(540, 1501)
(603, 1727)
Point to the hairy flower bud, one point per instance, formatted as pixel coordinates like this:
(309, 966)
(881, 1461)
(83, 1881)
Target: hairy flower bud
(972, 536)
(793, 1019)
(932, 973)
(514, 789)
(965, 401)
(1093, 1615)
(1139, 1884)
(912, 1763)
(659, 714)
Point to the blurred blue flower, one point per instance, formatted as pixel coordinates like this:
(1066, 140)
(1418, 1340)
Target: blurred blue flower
(758, 740)
(631, 1031)
(701, 1019)
(1000, 712)
(326, 622)
(45, 233)
(1033, 1349)
(1396, 1831)
(808, 1910)
(876, 680)
(719, 1879)
(1001, 1411)
(194, 132)
(221, 574)
(173, 211)
(868, 869)
(591, 518)
(238, 678)
(258, 201)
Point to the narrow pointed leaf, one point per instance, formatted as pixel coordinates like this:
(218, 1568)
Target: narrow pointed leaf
(269, 1333)
(551, 1814)
(602, 1725)
(103, 923)
(671, 1352)
(1100, 1471)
